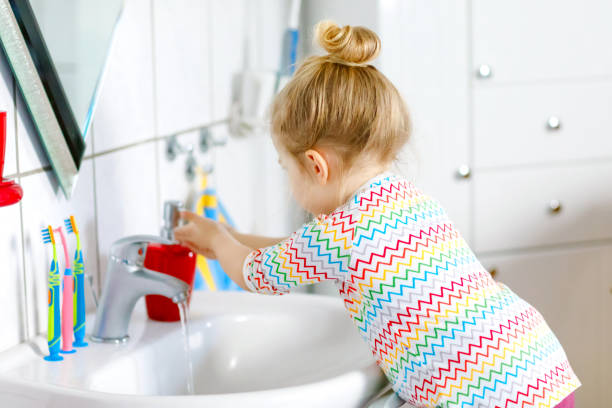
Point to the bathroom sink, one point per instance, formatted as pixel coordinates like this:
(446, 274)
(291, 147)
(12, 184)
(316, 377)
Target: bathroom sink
(246, 350)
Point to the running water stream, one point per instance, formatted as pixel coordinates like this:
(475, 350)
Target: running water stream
(184, 309)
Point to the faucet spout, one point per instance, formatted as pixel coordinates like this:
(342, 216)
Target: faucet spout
(127, 280)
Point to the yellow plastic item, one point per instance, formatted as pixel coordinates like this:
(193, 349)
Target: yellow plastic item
(201, 262)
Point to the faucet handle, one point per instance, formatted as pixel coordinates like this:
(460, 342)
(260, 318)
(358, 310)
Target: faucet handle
(132, 250)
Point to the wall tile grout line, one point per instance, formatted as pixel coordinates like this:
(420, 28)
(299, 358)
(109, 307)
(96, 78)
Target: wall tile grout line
(155, 108)
(95, 210)
(124, 147)
(25, 330)
(211, 73)
(470, 124)
(211, 65)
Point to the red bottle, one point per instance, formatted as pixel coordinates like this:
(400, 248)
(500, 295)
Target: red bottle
(173, 260)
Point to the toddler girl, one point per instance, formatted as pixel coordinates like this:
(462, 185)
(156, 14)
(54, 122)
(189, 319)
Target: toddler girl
(442, 330)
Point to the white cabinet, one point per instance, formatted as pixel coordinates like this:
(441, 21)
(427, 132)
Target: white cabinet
(571, 288)
(542, 123)
(535, 134)
(525, 40)
(527, 207)
(541, 76)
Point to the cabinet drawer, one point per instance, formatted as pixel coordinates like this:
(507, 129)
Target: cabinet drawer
(512, 209)
(524, 40)
(542, 123)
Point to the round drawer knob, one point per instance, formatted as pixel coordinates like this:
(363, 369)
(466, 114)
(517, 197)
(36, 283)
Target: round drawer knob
(484, 71)
(553, 123)
(464, 171)
(554, 206)
(493, 272)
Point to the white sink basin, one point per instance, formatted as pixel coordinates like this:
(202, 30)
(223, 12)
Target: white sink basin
(295, 350)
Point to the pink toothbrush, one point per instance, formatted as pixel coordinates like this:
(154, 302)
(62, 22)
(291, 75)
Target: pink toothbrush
(67, 300)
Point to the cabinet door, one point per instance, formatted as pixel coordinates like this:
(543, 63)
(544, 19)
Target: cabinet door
(525, 40)
(425, 55)
(570, 289)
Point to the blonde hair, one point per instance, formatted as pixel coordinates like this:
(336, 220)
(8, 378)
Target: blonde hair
(340, 101)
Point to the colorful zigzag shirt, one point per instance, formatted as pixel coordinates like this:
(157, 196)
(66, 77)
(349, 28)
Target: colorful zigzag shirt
(442, 330)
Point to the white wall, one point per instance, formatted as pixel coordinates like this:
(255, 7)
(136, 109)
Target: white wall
(170, 70)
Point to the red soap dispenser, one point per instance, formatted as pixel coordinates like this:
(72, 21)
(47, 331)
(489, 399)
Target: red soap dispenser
(10, 192)
(174, 260)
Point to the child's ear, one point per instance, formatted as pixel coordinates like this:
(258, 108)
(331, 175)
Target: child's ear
(318, 165)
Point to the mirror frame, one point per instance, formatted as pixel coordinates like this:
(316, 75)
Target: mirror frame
(39, 83)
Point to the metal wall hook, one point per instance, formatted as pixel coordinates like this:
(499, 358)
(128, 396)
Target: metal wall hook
(205, 143)
(174, 148)
(208, 141)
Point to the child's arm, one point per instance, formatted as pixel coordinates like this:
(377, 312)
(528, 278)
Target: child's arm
(318, 251)
(214, 241)
(253, 241)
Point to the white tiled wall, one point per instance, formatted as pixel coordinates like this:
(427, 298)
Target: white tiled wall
(170, 69)
(126, 196)
(227, 43)
(182, 63)
(125, 113)
(12, 298)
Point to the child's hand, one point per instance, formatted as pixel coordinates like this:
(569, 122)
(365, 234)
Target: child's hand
(200, 234)
(214, 241)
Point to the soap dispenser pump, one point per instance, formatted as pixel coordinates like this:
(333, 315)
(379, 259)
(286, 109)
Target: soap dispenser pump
(174, 260)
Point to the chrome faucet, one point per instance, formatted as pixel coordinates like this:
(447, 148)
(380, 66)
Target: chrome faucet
(127, 280)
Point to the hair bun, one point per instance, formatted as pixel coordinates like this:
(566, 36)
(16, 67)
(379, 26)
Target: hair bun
(350, 45)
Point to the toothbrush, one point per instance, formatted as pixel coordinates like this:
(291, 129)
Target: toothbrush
(79, 284)
(67, 301)
(53, 332)
(290, 46)
(290, 40)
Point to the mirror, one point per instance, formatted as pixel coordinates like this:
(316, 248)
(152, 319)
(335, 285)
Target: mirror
(57, 51)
